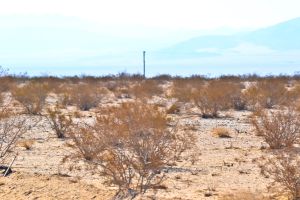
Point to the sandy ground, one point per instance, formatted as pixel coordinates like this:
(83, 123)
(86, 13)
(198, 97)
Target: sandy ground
(22, 185)
(222, 165)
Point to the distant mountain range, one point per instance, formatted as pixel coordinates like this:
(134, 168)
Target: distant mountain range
(278, 38)
(59, 45)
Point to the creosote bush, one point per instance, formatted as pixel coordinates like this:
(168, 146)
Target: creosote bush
(133, 145)
(284, 169)
(279, 128)
(184, 89)
(84, 96)
(1, 99)
(32, 96)
(217, 96)
(59, 122)
(6, 84)
(12, 127)
(146, 89)
(221, 132)
(266, 94)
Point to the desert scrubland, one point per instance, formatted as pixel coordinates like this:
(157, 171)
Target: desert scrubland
(126, 137)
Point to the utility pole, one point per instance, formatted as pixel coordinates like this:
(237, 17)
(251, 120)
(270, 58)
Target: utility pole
(144, 63)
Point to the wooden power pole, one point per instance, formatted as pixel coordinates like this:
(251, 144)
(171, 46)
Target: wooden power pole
(144, 63)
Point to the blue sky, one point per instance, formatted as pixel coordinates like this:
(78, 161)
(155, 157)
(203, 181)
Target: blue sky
(101, 37)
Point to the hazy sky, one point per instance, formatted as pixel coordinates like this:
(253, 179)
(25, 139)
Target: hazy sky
(175, 14)
(57, 36)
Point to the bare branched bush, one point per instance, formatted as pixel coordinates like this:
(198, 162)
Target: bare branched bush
(252, 97)
(59, 121)
(120, 87)
(133, 146)
(1, 99)
(221, 132)
(6, 82)
(11, 128)
(218, 96)
(32, 96)
(146, 89)
(84, 96)
(184, 89)
(210, 96)
(284, 169)
(278, 128)
(293, 96)
(266, 94)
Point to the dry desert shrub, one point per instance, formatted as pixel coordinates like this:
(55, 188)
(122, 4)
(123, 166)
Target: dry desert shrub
(146, 89)
(84, 96)
(252, 97)
(279, 128)
(11, 128)
(217, 96)
(6, 83)
(284, 169)
(233, 94)
(59, 122)
(133, 146)
(53, 83)
(32, 96)
(1, 99)
(210, 96)
(266, 94)
(119, 86)
(183, 89)
(221, 132)
(65, 94)
(294, 96)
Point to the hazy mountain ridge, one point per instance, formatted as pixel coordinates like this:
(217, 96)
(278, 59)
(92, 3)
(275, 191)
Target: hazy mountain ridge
(59, 45)
(280, 37)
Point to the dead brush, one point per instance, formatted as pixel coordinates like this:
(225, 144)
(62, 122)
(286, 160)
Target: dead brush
(54, 83)
(120, 87)
(266, 94)
(221, 132)
(59, 122)
(217, 96)
(183, 89)
(32, 96)
(294, 97)
(278, 128)
(84, 96)
(6, 83)
(133, 145)
(146, 89)
(284, 169)
(1, 99)
(12, 126)
(252, 97)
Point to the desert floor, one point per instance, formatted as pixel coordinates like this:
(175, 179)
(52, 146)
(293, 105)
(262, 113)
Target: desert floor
(218, 166)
